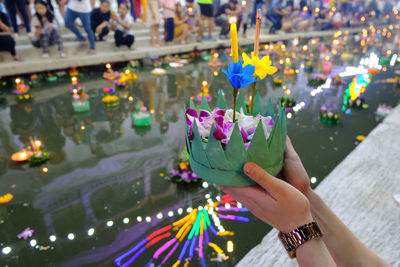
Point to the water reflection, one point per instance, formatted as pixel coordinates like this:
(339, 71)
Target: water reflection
(102, 169)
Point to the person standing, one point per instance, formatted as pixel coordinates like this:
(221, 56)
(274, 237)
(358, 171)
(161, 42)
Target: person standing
(153, 20)
(12, 6)
(81, 9)
(169, 14)
(122, 25)
(99, 19)
(7, 42)
(46, 32)
(207, 13)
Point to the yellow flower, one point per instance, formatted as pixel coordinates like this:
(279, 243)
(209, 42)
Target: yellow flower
(262, 66)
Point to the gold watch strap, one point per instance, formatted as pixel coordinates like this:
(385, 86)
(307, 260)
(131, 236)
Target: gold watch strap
(292, 240)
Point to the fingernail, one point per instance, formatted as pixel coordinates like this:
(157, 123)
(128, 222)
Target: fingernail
(248, 168)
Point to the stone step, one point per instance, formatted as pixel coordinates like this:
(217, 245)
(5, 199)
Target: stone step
(105, 52)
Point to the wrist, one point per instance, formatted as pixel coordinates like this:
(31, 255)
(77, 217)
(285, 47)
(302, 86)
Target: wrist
(294, 224)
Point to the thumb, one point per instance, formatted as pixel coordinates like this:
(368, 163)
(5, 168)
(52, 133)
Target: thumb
(270, 183)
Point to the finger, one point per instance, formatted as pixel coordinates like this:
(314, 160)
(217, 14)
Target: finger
(244, 194)
(271, 184)
(290, 153)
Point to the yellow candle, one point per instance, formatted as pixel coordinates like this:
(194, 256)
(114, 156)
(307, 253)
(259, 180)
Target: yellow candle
(234, 47)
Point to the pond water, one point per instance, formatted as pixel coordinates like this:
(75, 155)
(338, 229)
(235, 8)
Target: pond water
(104, 176)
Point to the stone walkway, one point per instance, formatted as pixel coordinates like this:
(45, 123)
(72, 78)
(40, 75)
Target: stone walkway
(360, 191)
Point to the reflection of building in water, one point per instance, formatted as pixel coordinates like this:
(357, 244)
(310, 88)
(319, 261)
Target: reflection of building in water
(7, 143)
(137, 159)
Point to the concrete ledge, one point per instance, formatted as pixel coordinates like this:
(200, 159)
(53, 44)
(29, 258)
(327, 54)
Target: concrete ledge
(81, 59)
(360, 191)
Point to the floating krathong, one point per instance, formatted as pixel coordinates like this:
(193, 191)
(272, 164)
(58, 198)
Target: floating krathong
(329, 116)
(110, 75)
(158, 71)
(287, 102)
(22, 91)
(111, 99)
(214, 62)
(183, 172)
(204, 92)
(354, 94)
(316, 80)
(22, 156)
(80, 102)
(141, 117)
(383, 110)
(191, 234)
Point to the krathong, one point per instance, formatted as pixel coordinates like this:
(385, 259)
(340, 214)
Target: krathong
(220, 141)
(329, 116)
(141, 117)
(218, 148)
(204, 92)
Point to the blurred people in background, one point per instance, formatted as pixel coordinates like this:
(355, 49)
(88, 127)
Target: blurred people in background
(81, 9)
(224, 14)
(275, 14)
(153, 21)
(7, 42)
(100, 19)
(122, 24)
(169, 14)
(247, 7)
(12, 7)
(192, 11)
(132, 5)
(257, 4)
(181, 29)
(207, 14)
(46, 33)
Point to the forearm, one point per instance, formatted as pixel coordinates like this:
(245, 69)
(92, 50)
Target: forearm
(314, 253)
(345, 248)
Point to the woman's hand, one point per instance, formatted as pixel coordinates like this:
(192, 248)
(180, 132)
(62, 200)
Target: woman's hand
(274, 201)
(50, 26)
(293, 170)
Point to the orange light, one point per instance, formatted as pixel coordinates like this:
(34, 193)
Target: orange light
(108, 66)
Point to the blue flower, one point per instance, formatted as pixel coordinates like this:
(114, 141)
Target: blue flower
(240, 76)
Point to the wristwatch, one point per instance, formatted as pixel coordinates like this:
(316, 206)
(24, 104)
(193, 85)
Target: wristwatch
(292, 240)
